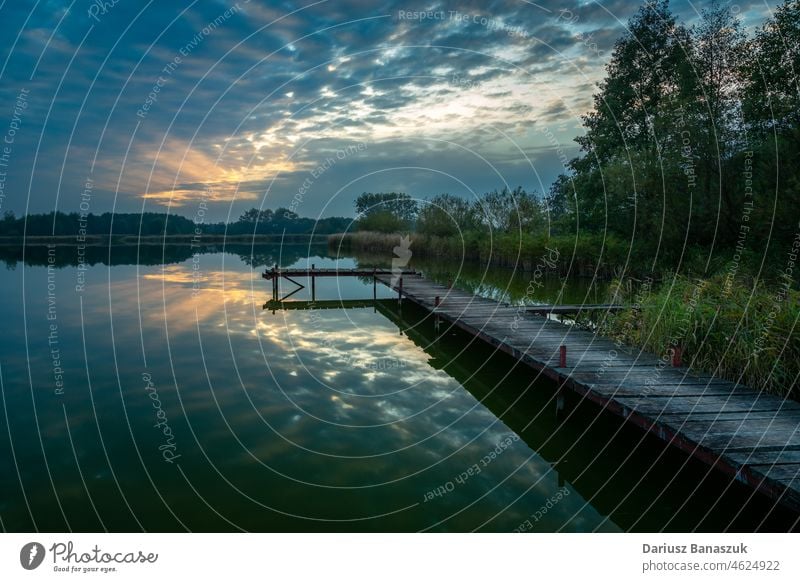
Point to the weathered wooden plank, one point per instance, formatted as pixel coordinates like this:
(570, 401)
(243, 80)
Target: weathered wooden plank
(678, 418)
(741, 402)
(766, 457)
(787, 474)
(746, 437)
(661, 391)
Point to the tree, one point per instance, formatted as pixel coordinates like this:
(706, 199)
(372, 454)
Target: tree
(386, 212)
(633, 177)
(712, 121)
(250, 216)
(772, 91)
(771, 109)
(509, 210)
(446, 215)
(10, 225)
(648, 67)
(717, 55)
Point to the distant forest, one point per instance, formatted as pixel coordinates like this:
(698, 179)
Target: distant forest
(254, 221)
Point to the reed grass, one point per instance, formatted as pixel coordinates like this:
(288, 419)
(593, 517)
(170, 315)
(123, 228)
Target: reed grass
(585, 255)
(741, 329)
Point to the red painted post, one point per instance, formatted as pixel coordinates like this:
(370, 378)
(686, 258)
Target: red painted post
(562, 357)
(677, 356)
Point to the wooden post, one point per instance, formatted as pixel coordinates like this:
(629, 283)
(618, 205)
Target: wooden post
(400, 292)
(274, 279)
(436, 319)
(313, 284)
(562, 357)
(677, 356)
(374, 287)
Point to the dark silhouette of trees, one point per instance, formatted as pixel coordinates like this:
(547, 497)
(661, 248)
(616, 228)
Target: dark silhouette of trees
(253, 221)
(386, 211)
(694, 137)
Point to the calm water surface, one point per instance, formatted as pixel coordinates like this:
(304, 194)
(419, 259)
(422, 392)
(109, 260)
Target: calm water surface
(153, 392)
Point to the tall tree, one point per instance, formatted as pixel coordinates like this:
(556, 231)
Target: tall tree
(386, 211)
(628, 180)
(772, 94)
(771, 106)
(712, 122)
(446, 215)
(718, 51)
(648, 66)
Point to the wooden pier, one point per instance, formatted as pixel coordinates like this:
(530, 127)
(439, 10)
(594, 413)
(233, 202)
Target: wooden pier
(276, 274)
(752, 436)
(314, 272)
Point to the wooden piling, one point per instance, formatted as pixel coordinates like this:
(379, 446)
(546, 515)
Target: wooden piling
(677, 356)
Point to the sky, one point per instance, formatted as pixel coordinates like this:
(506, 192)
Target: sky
(211, 107)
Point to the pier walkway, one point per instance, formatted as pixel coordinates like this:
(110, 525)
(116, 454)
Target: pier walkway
(747, 434)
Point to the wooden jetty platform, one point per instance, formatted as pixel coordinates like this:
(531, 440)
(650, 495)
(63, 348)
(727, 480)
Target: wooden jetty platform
(752, 436)
(313, 305)
(314, 272)
(276, 274)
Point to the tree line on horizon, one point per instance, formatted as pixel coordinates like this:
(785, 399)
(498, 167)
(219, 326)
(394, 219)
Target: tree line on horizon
(253, 221)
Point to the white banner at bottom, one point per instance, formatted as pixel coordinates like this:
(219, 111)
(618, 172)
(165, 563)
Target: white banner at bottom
(389, 557)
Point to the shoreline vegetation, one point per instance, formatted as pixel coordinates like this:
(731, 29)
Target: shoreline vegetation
(743, 330)
(129, 228)
(160, 240)
(588, 256)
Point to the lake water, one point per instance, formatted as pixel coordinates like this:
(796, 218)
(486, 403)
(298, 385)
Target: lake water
(150, 390)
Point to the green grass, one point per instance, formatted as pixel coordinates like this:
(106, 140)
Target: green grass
(739, 329)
